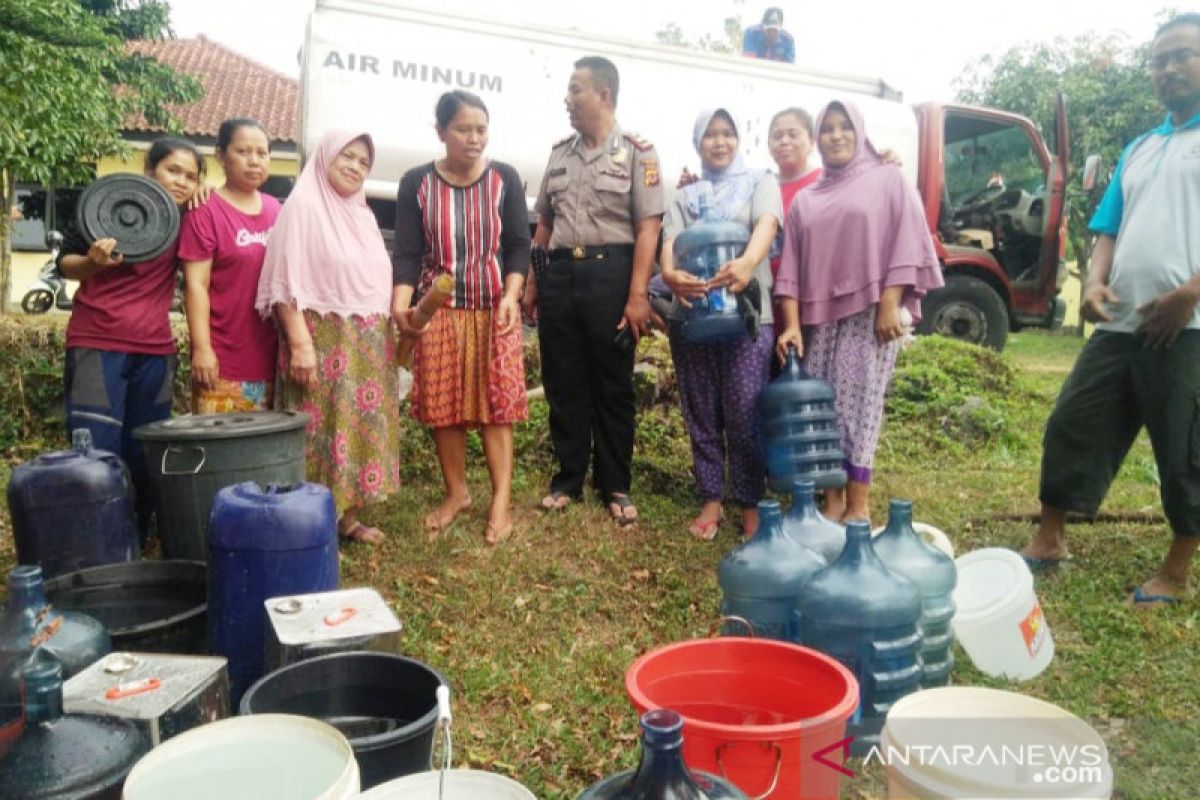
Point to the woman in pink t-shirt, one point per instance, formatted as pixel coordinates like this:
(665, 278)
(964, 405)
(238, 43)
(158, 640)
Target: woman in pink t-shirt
(222, 246)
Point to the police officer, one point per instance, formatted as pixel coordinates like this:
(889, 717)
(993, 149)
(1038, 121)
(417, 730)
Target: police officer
(599, 212)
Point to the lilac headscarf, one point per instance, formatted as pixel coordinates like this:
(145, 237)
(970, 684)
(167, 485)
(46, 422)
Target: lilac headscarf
(728, 190)
(858, 231)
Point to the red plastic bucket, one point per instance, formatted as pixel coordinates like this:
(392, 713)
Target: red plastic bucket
(754, 710)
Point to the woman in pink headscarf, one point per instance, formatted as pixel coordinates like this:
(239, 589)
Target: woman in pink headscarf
(328, 280)
(857, 259)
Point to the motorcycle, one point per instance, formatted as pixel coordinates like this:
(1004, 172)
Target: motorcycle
(49, 290)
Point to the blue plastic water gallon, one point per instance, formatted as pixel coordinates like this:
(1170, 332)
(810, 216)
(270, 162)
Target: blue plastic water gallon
(702, 250)
(761, 579)
(264, 543)
(662, 774)
(73, 509)
(801, 425)
(29, 627)
(865, 616)
(903, 551)
(807, 526)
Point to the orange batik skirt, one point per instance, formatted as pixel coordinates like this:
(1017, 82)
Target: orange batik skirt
(465, 374)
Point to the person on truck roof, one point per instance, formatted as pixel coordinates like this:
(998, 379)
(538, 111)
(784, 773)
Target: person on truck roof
(719, 382)
(768, 40)
(327, 281)
(1141, 366)
(600, 211)
(464, 215)
(856, 252)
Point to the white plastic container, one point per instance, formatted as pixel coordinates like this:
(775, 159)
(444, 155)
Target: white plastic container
(999, 621)
(249, 758)
(460, 784)
(971, 742)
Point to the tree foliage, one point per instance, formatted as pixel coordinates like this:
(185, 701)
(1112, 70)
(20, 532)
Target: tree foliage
(1110, 101)
(728, 40)
(67, 85)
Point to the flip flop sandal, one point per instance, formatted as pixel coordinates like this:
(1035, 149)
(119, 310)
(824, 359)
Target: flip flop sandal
(1037, 565)
(496, 534)
(364, 534)
(706, 529)
(1146, 600)
(623, 503)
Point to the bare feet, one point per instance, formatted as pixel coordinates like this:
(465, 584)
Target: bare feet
(441, 517)
(749, 520)
(497, 533)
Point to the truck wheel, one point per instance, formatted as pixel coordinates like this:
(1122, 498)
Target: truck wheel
(966, 308)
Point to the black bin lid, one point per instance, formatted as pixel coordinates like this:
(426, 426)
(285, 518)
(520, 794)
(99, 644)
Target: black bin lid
(206, 427)
(134, 210)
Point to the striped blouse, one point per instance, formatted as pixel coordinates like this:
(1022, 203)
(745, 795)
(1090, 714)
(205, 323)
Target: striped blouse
(477, 233)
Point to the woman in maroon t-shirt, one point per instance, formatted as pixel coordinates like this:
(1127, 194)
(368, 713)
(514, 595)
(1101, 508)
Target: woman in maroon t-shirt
(222, 245)
(120, 365)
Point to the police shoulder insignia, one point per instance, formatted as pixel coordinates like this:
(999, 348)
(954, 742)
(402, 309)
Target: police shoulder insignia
(637, 141)
(650, 176)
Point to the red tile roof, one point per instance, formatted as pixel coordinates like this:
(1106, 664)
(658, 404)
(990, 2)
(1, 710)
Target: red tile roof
(234, 86)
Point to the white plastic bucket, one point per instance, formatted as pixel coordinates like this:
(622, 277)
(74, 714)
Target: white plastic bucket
(249, 758)
(998, 618)
(970, 742)
(931, 535)
(461, 784)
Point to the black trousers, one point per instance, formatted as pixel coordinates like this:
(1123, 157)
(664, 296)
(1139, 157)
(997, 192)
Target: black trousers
(1116, 387)
(588, 377)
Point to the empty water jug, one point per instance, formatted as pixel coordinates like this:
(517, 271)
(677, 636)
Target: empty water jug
(702, 250)
(662, 774)
(801, 426)
(761, 579)
(66, 756)
(263, 544)
(30, 625)
(865, 616)
(903, 551)
(806, 525)
(73, 509)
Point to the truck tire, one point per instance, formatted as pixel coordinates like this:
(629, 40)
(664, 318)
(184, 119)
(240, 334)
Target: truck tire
(966, 308)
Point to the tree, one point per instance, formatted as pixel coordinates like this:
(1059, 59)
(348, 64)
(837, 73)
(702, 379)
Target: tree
(1110, 101)
(729, 40)
(67, 85)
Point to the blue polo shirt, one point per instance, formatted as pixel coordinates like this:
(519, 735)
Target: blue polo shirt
(754, 45)
(1150, 208)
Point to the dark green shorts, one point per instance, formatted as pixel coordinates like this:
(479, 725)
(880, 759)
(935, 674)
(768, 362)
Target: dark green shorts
(1115, 388)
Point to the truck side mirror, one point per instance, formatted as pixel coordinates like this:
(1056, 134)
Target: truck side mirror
(1091, 173)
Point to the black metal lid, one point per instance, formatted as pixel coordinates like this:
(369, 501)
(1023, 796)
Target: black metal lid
(206, 427)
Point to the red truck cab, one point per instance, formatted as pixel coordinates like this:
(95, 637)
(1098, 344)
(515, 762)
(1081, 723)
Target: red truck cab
(994, 198)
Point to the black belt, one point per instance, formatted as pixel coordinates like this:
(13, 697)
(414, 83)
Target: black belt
(593, 253)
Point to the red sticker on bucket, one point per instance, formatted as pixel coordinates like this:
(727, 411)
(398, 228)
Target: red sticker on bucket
(1033, 629)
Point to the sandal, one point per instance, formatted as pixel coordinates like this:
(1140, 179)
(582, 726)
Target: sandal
(358, 532)
(624, 505)
(706, 529)
(556, 501)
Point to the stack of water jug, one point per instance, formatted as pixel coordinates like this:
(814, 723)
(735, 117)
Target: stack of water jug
(882, 607)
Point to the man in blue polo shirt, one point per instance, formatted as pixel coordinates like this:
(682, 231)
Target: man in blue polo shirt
(769, 40)
(1142, 364)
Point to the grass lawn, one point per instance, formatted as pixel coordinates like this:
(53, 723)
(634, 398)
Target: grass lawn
(535, 635)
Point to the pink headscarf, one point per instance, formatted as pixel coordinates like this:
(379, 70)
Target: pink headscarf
(860, 229)
(326, 252)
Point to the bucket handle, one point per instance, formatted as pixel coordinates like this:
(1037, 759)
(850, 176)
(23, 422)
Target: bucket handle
(735, 619)
(191, 447)
(442, 726)
(774, 778)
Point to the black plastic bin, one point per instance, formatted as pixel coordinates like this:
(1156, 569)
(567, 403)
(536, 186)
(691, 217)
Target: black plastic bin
(147, 606)
(385, 704)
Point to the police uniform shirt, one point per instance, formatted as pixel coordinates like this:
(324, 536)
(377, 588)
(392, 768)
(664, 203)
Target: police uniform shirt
(596, 197)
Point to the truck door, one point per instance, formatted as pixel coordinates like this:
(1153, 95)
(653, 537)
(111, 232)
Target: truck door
(1051, 270)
